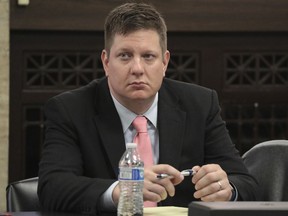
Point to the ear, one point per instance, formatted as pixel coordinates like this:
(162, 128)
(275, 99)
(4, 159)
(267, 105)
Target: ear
(105, 61)
(166, 58)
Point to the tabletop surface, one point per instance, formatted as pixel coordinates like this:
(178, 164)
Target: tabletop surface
(39, 214)
(159, 211)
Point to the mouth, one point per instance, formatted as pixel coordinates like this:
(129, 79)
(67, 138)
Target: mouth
(138, 84)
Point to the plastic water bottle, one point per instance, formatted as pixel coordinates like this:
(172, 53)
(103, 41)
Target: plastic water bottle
(131, 180)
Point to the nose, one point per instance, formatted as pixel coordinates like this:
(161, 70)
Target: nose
(137, 66)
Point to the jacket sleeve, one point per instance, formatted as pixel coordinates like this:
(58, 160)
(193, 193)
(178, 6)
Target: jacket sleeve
(220, 149)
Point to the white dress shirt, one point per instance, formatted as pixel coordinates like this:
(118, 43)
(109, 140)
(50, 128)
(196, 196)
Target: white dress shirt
(127, 117)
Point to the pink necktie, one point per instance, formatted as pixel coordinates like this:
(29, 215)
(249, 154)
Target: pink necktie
(143, 141)
(143, 146)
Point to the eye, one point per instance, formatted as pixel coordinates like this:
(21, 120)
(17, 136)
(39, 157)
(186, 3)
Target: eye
(149, 56)
(124, 56)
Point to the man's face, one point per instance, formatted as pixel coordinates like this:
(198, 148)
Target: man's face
(135, 67)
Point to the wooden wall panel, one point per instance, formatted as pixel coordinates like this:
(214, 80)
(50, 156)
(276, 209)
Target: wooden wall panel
(181, 15)
(237, 47)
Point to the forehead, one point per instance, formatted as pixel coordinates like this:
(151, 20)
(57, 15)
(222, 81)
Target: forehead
(139, 38)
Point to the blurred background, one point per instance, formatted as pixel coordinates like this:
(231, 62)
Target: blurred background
(238, 48)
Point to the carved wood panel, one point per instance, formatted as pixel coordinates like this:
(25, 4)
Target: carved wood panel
(250, 76)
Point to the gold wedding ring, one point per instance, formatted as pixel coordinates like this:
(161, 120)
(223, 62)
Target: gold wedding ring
(220, 185)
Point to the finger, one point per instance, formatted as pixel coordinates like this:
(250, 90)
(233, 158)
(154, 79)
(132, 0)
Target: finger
(205, 191)
(206, 180)
(208, 174)
(214, 188)
(151, 191)
(163, 168)
(154, 192)
(199, 174)
(176, 177)
(158, 189)
(196, 168)
(168, 185)
(222, 195)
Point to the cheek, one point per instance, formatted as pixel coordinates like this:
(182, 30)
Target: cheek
(157, 79)
(112, 71)
(117, 79)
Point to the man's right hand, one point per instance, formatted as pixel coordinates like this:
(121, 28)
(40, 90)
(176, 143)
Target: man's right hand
(156, 190)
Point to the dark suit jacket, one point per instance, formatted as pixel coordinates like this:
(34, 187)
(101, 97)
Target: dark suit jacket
(84, 142)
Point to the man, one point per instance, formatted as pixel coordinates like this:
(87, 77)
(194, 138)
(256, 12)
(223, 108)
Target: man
(87, 128)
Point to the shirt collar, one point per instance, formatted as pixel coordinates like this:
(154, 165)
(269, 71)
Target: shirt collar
(128, 116)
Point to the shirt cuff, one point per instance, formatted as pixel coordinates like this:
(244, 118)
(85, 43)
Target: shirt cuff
(106, 200)
(234, 190)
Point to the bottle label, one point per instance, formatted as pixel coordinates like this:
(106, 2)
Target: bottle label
(128, 173)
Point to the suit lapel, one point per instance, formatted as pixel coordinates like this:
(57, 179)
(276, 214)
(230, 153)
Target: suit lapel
(109, 126)
(171, 126)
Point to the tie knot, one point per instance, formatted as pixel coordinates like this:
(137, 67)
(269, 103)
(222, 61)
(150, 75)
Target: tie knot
(140, 124)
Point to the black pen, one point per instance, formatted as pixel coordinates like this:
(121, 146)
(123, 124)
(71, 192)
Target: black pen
(187, 172)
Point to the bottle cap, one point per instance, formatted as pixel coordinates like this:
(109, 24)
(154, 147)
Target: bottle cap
(131, 145)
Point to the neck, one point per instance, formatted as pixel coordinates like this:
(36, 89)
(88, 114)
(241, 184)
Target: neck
(139, 107)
